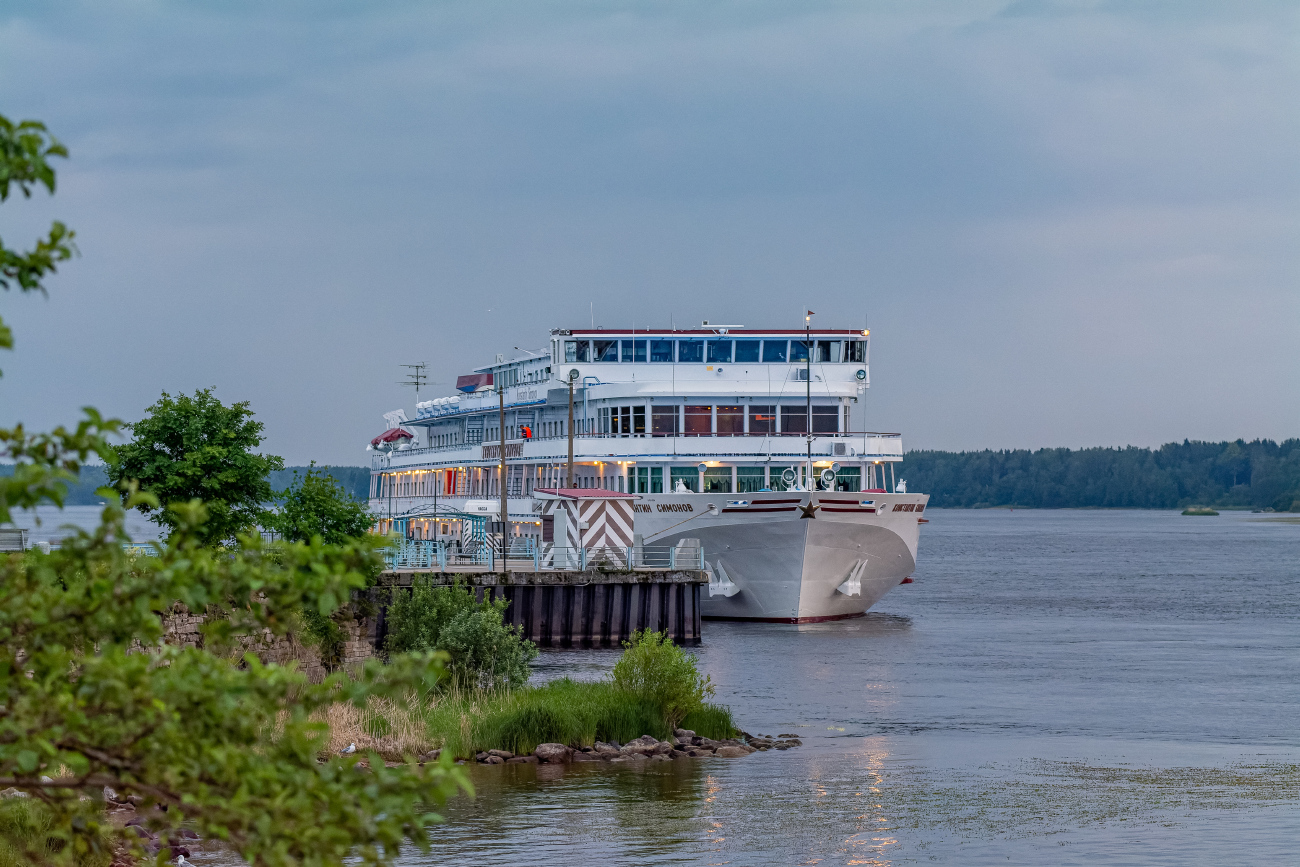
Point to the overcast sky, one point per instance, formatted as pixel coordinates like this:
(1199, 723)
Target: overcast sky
(1067, 223)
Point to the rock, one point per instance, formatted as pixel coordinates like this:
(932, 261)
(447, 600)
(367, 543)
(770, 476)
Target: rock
(781, 745)
(187, 834)
(684, 734)
(787, 736)
(606, 751)
(660, 757)
(502, 754)
(731, 752)
(701, 753)
(478, 757)
(636, 757)
(618, 759)
(522, 760)
(679, 754)
(638, 747)
(555, 754)
(11, 792)
(580, 756)
(662, 748)
(110, 795)
(494, 760)
(430, 756)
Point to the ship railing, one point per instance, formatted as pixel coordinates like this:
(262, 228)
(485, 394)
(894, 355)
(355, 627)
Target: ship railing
(430, 555)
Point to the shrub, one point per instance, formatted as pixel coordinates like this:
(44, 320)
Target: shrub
(486, 653)
(658, 671)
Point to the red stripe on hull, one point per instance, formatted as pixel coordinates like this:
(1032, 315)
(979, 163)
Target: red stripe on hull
(787, 619)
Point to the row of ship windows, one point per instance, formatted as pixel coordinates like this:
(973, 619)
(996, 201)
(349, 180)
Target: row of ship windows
(715, 351)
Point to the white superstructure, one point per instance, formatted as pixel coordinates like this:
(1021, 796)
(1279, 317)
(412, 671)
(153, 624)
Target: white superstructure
(737, 437)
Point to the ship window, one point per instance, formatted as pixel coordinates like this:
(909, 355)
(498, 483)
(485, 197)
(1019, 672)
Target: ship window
(577, 350)
(661, 350)
(687, 477)
(794, 419)
(634, 351)
(848, 479)
(828, 351)
(762, 419)
(663, 420)
(731, 420)
(604, 350)
(798, 350)
(717, 480)
(825, 419)
(749, 479)
(699, 420)
(773, 351)
(690, 351)
(854, 351)
(638, 420)
(746, 350)
(719, 352)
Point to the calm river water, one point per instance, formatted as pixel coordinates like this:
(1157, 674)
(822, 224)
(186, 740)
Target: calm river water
(1058, 687)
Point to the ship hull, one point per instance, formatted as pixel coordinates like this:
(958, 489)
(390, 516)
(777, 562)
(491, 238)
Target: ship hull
(791, 569)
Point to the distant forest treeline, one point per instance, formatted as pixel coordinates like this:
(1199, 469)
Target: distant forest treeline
(355, 480)
(1257, 475)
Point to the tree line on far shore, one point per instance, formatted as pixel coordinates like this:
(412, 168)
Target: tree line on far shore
(1246, 475)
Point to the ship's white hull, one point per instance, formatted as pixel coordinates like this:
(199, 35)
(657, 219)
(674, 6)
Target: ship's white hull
(789, 568)
(770, 562)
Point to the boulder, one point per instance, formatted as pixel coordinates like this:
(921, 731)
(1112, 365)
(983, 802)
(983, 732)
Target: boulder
(554, 754)
(679, 754)
(636, 757)
(684, 734)
(730, 752)
(502, 754)
(701, 753)
(661, 758)
(787, 736)
(430, 756)
(586, 757)
(478, 757)
(522, 760)
(662, 748)
(494, 760)
(639, 747)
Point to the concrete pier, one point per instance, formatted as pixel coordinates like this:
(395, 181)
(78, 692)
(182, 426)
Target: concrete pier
(592, 608)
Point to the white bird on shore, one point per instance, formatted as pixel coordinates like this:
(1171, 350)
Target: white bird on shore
(181, 862)
(348, 750)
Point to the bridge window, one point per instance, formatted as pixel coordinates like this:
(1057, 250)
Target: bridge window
(634, 351)
(848, 479)
(746, 351)
(604, 350)
(798, 350)
(661, 351)
(828, 352)
(774, 351)
(794, 419)
(855, 351)
(719, 352)
(577, 350)
(690, 351)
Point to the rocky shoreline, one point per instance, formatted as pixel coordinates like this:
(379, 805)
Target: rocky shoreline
(685, 744)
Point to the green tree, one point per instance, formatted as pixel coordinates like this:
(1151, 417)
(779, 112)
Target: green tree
(91, 696)
(656, 670)
(317, 505)
(196, 448)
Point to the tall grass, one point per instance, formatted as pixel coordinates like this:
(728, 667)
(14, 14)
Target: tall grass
(564, 711)
(28, 835)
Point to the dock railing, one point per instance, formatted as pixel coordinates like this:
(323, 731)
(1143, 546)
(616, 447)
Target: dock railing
(438, 556)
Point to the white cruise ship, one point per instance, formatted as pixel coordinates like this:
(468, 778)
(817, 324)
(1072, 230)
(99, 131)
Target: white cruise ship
(736, 437)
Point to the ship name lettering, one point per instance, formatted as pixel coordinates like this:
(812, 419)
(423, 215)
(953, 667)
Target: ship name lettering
(676, 507)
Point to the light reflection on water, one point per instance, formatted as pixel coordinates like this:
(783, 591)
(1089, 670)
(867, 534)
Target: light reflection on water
(1001, 708)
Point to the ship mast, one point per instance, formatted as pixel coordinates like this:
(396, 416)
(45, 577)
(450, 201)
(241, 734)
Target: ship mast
(807, 345)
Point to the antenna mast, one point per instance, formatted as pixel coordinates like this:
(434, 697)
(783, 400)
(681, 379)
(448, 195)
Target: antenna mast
(416, 377)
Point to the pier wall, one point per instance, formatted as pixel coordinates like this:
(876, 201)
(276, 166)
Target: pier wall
(579, 609)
